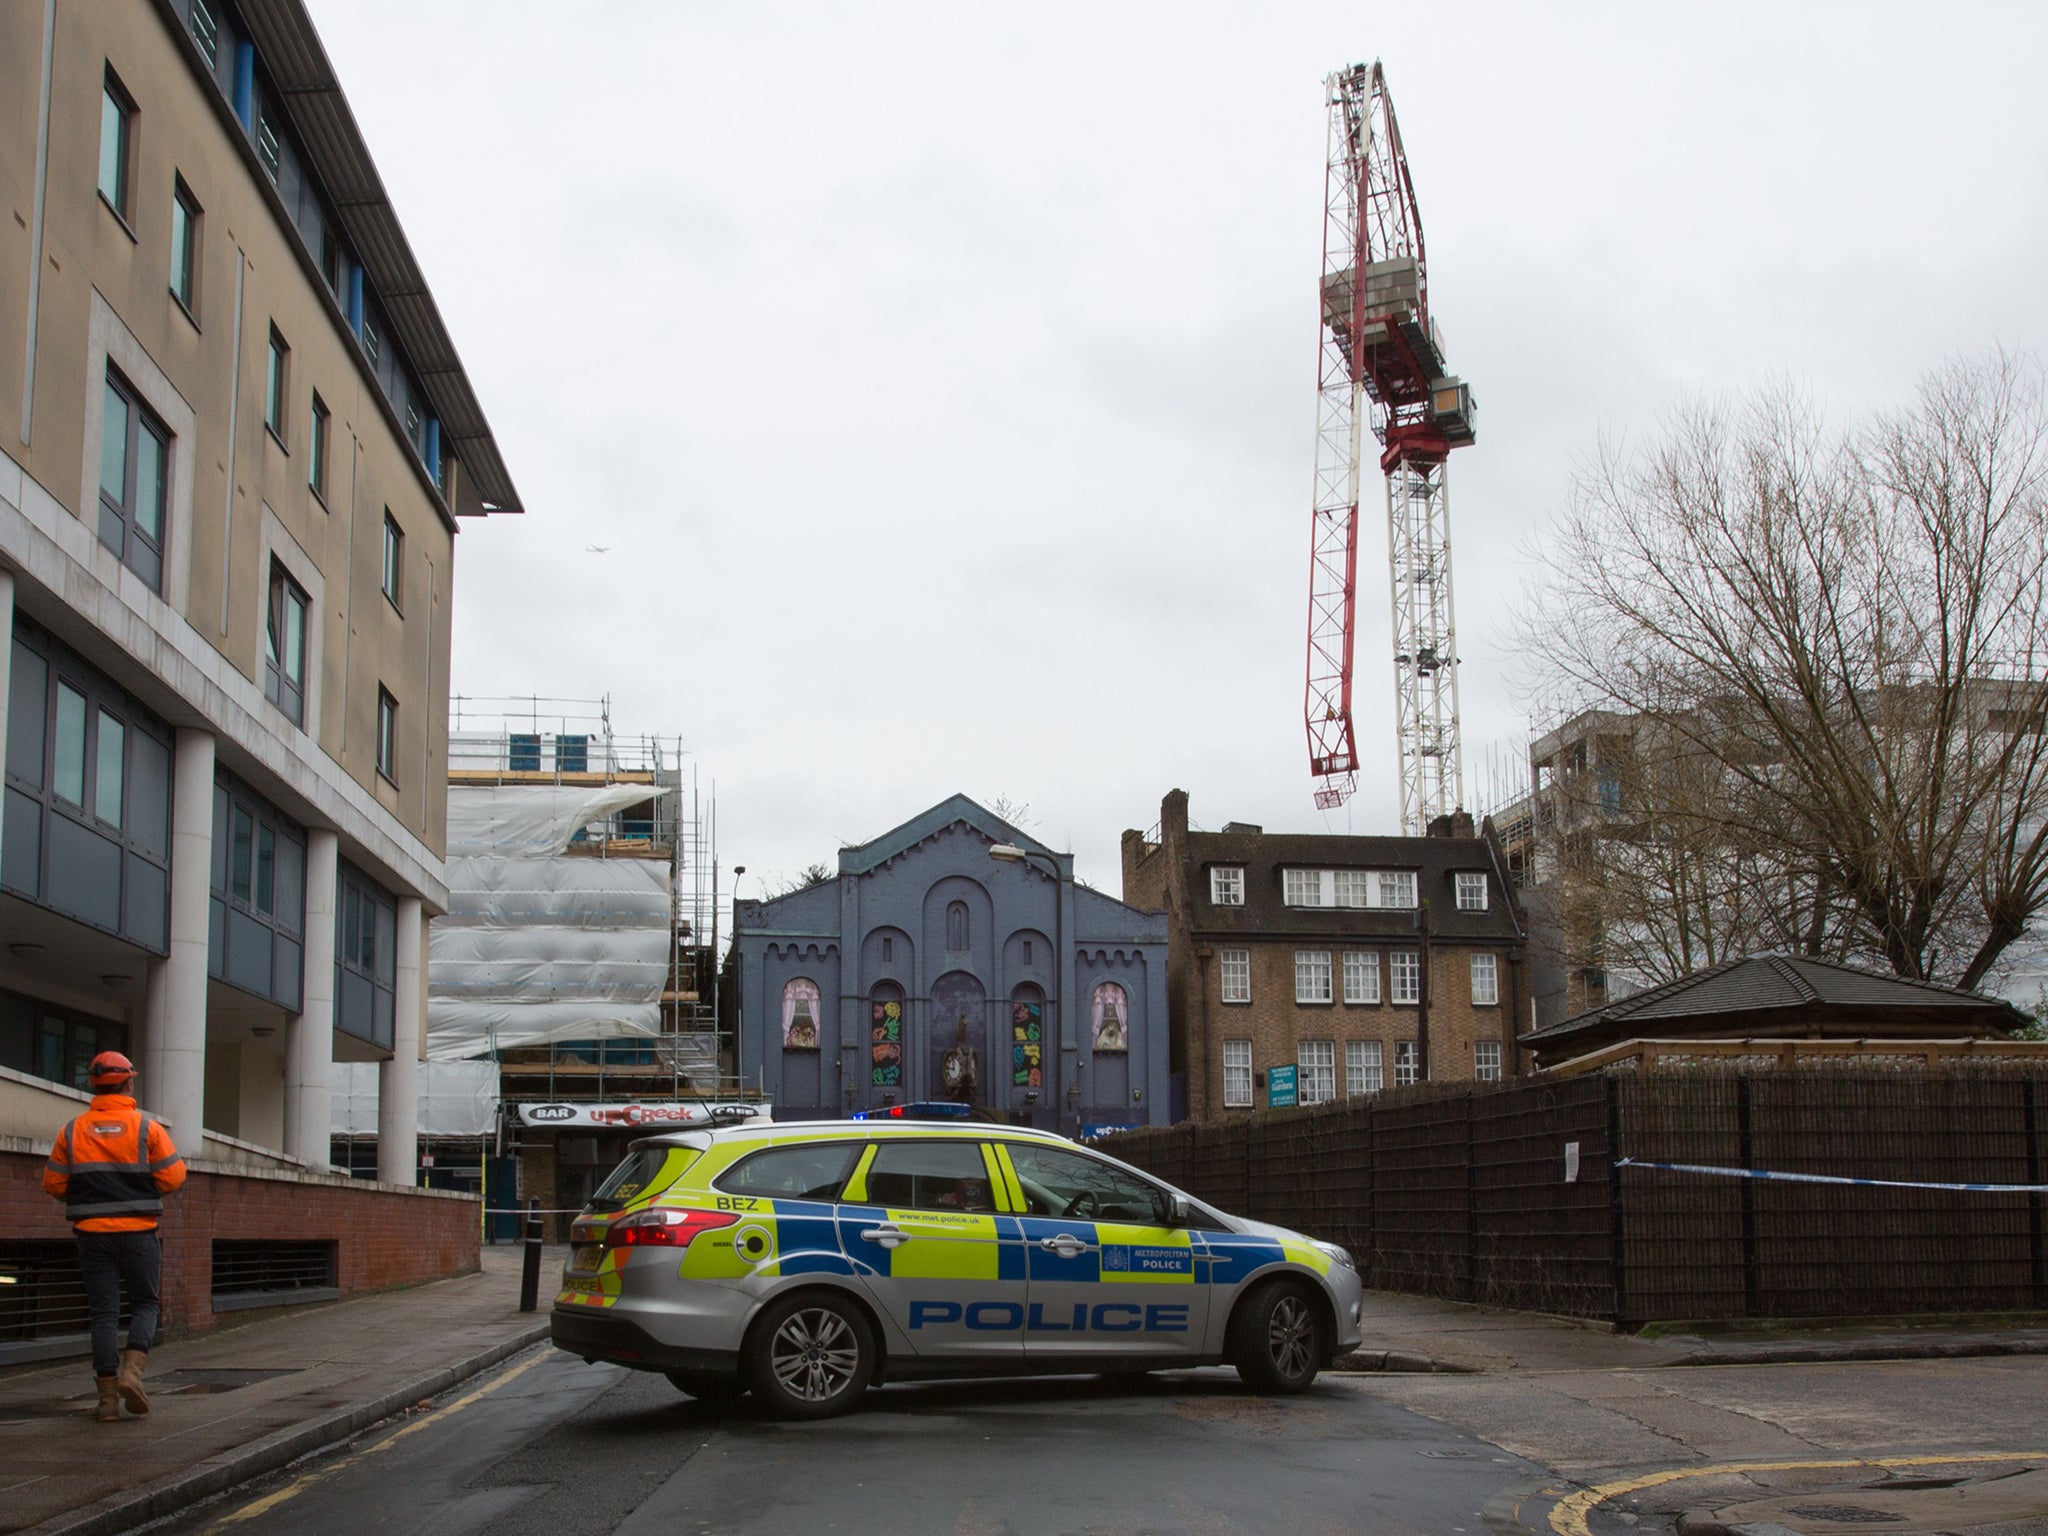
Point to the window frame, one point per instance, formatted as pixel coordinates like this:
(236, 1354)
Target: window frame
(1307, 963)
(277, 385)
(1485, 962)
(392, 578)
(140, 421)
(1316, 1067)
(277, 683)
(121, 201)
(318, 428)
(1226, 885)
(184, 279)
(1226, 961)
(1237, 1090)
(1476, 884)
(1404, 965)
(1366, 963)
(1483, 1070)
(1407, 1063)
(1364, 1068)
(387, 735)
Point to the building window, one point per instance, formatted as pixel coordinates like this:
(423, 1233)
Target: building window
(117, 142)
(1486, 1061)
(1393, 888)
(1485, 981)
(1237, 975)
(206, 32)
(1304, 887)
(1311, 975)
(1226, 885)
(1407, 1064)
(387, 735)
(412, 425)
(370, 343)
(274, 384)
(889, 946)
(1027, 952)
(1471, 893)
(108, 773)
(184, 246)
(365, 959)
(1354, 888)
(68, 759)
(1361, 976)
(1237, 1074)
(1361, 1067)
(1318, 1062)
(330, 259)
(1404, 968)
(134, 463)
(284, 647)
(394, 557)
(956, 925)
(316, 449)
(266, 146)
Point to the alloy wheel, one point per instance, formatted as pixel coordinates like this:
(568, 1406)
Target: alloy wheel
(815, 1354)
(1290, 1335)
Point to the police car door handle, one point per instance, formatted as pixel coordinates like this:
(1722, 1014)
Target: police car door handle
(888, 1235)
(1065, 1245)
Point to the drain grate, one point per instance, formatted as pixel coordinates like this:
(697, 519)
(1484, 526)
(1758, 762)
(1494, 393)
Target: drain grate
(1845, 1514)
(195, 1383)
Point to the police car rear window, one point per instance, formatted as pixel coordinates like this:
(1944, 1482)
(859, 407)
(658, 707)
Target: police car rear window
(644, 1171)
(812, 1172)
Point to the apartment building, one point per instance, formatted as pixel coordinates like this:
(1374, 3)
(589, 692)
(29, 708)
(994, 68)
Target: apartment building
(1364, 963)
(236, 442)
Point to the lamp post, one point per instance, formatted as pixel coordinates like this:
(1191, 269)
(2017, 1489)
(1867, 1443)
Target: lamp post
(1011, 853)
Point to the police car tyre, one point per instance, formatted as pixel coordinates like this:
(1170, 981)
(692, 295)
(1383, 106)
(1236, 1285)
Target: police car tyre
(708, 1386)
(809, 1356)
(1276, 1338)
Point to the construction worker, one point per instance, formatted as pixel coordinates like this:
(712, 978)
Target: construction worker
(112, 1166)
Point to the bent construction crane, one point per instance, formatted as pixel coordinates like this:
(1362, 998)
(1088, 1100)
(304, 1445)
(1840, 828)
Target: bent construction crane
(1382, 360)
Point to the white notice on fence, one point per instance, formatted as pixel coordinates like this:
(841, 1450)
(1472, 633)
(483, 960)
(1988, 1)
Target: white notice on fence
(1571, 1162)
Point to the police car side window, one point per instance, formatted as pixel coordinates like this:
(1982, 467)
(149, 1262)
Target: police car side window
(812, 1172)
(930, 1176)
(1061, 1183)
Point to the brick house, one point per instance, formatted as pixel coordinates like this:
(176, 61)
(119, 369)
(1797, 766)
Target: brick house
(1367, 962)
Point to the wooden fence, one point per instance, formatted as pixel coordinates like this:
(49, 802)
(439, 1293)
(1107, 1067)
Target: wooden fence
(1517, 1196)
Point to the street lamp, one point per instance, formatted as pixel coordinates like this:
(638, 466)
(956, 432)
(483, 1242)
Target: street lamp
(1010, 853)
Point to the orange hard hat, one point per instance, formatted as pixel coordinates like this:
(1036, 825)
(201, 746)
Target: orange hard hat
(109, 1068)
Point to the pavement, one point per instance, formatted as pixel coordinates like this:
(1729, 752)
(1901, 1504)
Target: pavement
(256, 1395)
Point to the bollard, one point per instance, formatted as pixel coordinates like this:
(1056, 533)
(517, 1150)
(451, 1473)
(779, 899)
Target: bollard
(529, 1273)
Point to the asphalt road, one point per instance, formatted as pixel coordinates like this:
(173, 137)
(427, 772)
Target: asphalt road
(548, 1446)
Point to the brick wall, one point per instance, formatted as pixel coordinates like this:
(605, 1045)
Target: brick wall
(384, 1236)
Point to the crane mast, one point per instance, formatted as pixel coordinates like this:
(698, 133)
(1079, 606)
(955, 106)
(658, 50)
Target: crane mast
(1381, 366)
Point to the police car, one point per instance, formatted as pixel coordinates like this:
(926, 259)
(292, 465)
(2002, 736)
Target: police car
(804, 1263)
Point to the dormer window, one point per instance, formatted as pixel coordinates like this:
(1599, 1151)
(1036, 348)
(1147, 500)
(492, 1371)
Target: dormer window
(1226, 885)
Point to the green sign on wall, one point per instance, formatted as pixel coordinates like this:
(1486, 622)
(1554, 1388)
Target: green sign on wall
(1280, 1087)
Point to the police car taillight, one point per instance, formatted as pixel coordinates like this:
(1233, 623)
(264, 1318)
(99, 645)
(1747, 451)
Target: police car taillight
(664, 1228)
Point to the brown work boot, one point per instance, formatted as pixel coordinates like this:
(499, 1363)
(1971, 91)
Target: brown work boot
(109, 1406)
(129, 1382)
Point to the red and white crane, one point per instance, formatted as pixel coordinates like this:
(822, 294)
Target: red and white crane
(1382, 364)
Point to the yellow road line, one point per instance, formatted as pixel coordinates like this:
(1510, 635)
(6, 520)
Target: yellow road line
(292, 1490)
(1568, 1518)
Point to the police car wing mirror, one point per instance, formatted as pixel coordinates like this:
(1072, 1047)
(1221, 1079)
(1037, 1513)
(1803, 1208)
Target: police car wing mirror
(1177, 1210)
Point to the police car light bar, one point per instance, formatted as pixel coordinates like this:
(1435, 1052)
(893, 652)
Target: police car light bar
(935, 1110)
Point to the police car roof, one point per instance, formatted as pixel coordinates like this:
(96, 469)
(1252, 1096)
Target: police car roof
(702, 1137)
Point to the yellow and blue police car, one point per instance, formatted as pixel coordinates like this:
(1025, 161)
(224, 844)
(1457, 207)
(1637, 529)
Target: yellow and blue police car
(802, 1263)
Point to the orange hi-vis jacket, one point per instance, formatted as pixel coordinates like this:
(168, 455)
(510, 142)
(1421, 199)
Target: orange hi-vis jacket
(112, 1167)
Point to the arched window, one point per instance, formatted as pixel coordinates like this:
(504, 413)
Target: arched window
(956, 925)
(885, 1035)
(1112, 1014)
(802, 1017)
(1027, 1038)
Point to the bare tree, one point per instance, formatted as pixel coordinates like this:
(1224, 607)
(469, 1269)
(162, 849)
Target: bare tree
(1831, 647)
(803, 880)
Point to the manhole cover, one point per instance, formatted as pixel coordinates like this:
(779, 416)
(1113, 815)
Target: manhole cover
(193, 1383)
(1845, 1514)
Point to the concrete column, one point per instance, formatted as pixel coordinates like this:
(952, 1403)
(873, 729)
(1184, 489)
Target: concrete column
(6, 665)
(309, 1039)
(398, 1080)
(173, 1082)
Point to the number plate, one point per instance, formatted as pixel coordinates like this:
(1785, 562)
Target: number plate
(586, 1256)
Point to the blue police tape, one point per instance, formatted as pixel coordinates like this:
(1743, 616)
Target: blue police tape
(1829, 1178)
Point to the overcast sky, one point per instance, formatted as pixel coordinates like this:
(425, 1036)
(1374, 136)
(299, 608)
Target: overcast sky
(939, 380)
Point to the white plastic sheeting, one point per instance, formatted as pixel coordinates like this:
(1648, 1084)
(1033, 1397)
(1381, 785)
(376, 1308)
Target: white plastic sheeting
(457, 1098)
(531, 821)
(539, 945)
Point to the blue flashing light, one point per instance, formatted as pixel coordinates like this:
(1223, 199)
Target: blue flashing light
(935, 1109)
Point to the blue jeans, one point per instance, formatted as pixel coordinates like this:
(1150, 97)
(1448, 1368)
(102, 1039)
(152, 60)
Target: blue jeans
(106, 1262)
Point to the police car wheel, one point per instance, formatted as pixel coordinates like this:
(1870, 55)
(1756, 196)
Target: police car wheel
(809, 1356)
(1276, 1338)
(708, 1386)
